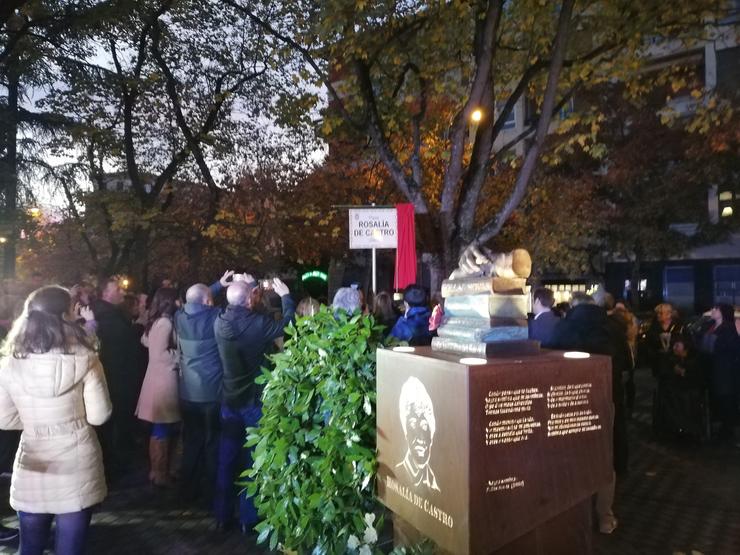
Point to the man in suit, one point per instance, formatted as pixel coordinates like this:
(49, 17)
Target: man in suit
(542, 326)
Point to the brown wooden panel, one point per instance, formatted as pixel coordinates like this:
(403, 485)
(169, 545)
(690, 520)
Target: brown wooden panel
(500, 475)
(569, 533)
(546, 474)
(438, 509)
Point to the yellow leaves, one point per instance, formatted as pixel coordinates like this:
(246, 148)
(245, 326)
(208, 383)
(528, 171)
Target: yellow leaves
(677, 84)
(212, 231)
(566, 125)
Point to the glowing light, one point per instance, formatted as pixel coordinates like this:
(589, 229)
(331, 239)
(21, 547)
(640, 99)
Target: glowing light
(35, 212)
(3, 240)
(476, 116)
(314, 274)
(473, 361)
(125, 283)
(576, 354)
(727, 211)
(404, 349)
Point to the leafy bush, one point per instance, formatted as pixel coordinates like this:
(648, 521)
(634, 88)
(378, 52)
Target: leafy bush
(314, 460)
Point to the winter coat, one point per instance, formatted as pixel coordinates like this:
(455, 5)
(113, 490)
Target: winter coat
(159, 401)
(414, 326)
(119, 354)
(243, 337)
(723, 346)
(542, 327)
(55, 399)
(657, 355)
(201, 372)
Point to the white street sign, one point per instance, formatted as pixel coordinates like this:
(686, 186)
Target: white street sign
(373, 228)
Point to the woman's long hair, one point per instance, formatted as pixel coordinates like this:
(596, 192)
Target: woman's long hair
(164, 305)
(42, 326)
(383, 308)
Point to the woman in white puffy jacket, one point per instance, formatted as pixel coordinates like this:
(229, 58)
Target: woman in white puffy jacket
(53, 388)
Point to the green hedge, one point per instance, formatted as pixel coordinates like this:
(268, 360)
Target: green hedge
(313, 478)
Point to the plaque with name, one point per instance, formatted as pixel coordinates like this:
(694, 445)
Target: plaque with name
(477, 456)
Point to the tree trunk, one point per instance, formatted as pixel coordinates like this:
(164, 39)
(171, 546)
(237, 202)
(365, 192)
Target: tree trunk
(9, 175)
(433, 262)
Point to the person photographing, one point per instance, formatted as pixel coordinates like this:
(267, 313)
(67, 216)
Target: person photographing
(243, 336)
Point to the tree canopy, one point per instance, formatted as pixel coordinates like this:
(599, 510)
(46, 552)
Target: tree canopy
(408, 76)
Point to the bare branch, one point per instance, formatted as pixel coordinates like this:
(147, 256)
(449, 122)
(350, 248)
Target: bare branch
(530, 160)
(485, 43)
(307, 56)
(406, 184)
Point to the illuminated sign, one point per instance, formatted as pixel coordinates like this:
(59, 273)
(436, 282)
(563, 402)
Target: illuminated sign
(314, 274)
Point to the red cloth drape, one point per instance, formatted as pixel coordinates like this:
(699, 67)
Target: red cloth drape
(406, 249)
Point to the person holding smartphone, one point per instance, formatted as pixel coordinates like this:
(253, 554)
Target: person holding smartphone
(244, 336)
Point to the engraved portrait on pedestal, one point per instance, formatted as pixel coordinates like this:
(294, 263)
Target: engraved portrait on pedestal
(416, 412)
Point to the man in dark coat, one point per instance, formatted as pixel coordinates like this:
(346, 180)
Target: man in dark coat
(119, 354)
(243, 336)
(588, 328)
(201, 376)
(542, 326)
(722, 347)
(413, 326)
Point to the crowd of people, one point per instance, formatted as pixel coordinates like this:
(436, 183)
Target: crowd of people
(93, 374)
(697, 370)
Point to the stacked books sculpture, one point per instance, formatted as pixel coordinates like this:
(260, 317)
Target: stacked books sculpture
(486, 304)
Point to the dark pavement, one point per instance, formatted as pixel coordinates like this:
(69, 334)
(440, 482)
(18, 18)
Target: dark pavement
(676, 499)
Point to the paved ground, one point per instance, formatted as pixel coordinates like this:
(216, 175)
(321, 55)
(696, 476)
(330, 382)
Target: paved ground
(676, 499)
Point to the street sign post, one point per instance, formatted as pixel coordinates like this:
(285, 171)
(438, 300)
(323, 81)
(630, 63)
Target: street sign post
(373, 228)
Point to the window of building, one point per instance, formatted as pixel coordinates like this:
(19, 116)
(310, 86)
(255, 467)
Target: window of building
(567, 109)
(728, 68)
(510, 122)
(727, 284)
(678, 286)
(726, 204)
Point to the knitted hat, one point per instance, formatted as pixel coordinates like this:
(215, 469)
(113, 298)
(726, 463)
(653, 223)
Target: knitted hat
(415, 295)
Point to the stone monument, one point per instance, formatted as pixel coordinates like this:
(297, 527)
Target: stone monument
(486, 305)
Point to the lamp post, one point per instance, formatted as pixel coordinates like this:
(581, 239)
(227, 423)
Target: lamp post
(475, 118)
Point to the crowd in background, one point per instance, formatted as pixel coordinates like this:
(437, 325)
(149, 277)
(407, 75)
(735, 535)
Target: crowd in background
(94, 376)
(107, 375)
(697, 369)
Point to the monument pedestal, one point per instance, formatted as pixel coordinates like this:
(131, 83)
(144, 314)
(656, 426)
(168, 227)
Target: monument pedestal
(497, 458)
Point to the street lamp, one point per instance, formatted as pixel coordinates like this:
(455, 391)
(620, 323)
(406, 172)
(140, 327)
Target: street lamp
(125, 283)
(475, 117)
(3, 240)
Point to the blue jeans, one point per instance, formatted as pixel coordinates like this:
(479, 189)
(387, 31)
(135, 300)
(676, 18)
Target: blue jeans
(233, 458)
(165, 431)
(71, 532)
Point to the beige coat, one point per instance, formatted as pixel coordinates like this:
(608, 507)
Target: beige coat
(55, 398)
(159, 401)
